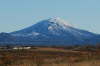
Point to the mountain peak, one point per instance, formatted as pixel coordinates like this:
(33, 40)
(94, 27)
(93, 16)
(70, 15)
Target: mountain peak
(59, 21)
(53, 25)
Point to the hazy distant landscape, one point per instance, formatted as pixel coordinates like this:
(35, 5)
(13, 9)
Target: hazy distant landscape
(49, 32)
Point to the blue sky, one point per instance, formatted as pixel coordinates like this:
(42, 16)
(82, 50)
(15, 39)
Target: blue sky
(17, 14)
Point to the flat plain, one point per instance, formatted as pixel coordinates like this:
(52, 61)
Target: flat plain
(48, 56)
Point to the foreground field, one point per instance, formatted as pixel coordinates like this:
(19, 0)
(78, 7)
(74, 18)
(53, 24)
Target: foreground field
(49, 57)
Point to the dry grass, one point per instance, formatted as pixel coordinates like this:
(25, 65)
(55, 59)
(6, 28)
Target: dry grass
(49, 57)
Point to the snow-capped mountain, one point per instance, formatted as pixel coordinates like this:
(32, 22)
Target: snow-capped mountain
(52, 26)
(53, 31)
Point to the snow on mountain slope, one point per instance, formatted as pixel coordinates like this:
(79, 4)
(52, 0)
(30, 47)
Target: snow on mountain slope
(52, 26)
(54, 31)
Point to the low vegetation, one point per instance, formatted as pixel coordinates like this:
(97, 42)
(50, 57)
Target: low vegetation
(51, 56)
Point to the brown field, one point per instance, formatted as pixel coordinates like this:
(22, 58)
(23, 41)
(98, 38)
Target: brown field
(49, 57)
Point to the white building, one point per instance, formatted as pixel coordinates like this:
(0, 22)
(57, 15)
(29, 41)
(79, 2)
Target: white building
(16, 48)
